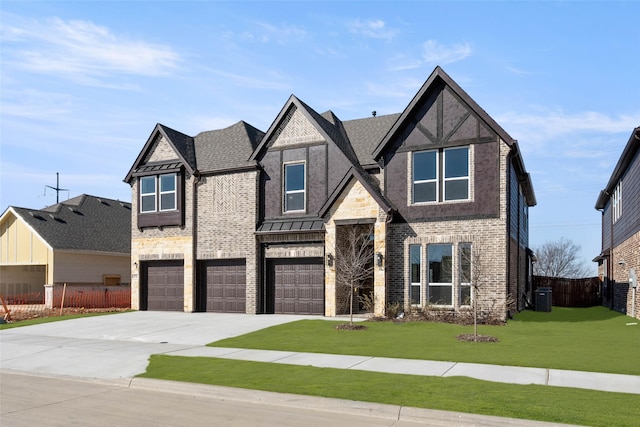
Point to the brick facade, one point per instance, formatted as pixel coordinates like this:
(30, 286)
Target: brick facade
(237, 213)
(227, 217)
(629, 253)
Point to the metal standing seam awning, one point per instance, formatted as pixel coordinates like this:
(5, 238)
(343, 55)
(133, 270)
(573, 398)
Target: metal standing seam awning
(295, 226)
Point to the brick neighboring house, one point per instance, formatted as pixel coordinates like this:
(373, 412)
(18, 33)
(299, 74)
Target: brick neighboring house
(237, 220)
(619, 203)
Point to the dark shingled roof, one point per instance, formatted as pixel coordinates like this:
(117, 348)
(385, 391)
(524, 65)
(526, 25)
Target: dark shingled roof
(365, 134)
(84, 223)
(183, 144)
(227, 149)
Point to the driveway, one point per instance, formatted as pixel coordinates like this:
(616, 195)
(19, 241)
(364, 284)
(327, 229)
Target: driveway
(118, 346)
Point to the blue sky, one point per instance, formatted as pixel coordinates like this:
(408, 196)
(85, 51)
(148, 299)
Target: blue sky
(82, 83)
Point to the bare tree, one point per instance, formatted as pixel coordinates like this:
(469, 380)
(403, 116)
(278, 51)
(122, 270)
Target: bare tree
(559, 259)
(471, 270)
(354, 259)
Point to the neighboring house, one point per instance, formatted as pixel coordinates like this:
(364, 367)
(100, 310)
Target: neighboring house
(237, 220)
(619, 203)
(84, 241)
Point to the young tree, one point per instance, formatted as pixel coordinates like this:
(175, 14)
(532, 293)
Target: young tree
(559, 259)
(354, 259)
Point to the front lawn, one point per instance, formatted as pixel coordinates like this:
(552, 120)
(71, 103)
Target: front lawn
(592, 339)
(533, 402)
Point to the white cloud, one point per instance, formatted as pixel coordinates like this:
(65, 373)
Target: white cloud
(549, 125)
(82, 50)
(376, 29)
(439, 54)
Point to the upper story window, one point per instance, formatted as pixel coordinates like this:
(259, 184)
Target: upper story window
(616, 202)
(294, 187)
(425, 176)
(456, 173)
(431, 184)
(158, 193)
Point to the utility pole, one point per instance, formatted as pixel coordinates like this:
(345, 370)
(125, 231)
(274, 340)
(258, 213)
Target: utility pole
(56, 188)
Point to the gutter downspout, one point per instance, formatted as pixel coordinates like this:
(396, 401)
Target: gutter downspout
(194, 242)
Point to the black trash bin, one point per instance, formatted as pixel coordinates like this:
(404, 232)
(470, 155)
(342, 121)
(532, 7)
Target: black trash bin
(543, 299)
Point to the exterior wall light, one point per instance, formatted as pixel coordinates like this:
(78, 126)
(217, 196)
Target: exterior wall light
(379, 259)
(330, 260)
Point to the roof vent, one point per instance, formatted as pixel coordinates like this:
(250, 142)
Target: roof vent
(57, 218)
(37, 216)
(75, 211)
(103, 202)
(374, 113)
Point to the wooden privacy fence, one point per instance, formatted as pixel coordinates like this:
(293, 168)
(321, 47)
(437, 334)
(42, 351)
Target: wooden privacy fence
(571, 292)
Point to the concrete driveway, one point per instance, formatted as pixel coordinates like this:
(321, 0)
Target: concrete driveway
(118, 346)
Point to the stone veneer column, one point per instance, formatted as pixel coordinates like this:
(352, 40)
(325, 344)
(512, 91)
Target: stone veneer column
(354, 203)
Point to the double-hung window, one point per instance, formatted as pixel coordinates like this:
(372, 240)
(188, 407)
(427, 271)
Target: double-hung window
(425, 176)
(415, 257)
(431, 183)
(456, 173)
(294, 187)
(440, 274)
(616, 201)
(158, 193)
(465, 264)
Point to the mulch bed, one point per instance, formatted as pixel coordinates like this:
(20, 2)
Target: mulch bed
(350, 327)
(476, 338)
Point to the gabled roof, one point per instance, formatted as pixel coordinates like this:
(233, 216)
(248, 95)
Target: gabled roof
(227, 149)
(434, 83)
(84, 223)
(365, 180)
(182, 144)
(328, 125)
(627, 156)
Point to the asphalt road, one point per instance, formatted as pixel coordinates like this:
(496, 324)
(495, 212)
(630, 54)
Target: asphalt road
(50, 402)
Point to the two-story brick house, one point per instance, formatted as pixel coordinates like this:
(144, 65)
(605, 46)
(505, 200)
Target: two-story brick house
(238, 220)
(619, 259)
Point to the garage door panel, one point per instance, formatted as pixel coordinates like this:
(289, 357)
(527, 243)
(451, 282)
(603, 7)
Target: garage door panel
(225, 283)
(297, 285)
(164, 285)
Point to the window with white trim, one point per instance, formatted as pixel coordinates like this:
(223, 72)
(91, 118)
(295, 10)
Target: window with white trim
(415, 259)
(425, 176)
(616, 202)
(456, 173)
(440, 274)
(465, 292)
(294, 187)
(158, 193)
(431, 184)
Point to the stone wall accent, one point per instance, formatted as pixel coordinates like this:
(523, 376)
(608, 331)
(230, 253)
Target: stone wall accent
(163, 248)
(355, 202)
(309, 250)
(226, 222)
(629, 252)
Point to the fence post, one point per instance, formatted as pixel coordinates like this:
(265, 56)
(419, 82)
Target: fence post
(48, 296)
(64, 290)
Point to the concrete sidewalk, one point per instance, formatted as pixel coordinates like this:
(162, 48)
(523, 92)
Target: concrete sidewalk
(503, 374)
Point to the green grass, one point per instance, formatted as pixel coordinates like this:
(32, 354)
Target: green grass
(534, 402)
(584, 339)
(39, 320)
